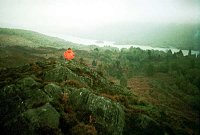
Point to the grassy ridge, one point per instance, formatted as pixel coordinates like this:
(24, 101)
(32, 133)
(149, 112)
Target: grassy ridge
(18, 47)
(31, 39)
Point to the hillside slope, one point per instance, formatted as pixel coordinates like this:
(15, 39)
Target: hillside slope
(19, 37)
(53, 97)
(18, 47)
(50, 96)
(41, 94)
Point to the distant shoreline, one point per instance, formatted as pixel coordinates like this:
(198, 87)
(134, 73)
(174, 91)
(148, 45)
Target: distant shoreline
(84, 41)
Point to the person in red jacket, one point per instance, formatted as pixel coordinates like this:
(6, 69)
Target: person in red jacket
(69, 54)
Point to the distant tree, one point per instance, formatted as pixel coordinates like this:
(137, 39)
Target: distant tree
(189, 52)
(94, 63)
(150, 70)
(163, 67)
(149, 54)
(95, 53)
(96, 49)
(192, 63)
(169, 52)
(100, 68)
(123, 81)
(117, 64)
(180, 53)
(81, 60)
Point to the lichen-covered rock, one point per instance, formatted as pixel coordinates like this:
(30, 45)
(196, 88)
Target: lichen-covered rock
(44, 116)
(61, 73)
(27, 91)
(9, 90)
(27, 82)
(37, 98)
(57, 74)
(107, 113)
(86, 80)
(53, 91)
(50, 101)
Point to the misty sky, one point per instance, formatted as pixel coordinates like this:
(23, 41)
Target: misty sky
(84, 14)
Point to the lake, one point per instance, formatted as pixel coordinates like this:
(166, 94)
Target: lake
(85, 41)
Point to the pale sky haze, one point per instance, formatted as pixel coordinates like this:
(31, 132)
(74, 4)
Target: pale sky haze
(84, 14)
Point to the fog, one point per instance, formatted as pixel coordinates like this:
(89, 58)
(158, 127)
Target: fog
(75, 15)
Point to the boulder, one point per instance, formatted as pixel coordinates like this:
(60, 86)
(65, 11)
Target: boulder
(61, 73)
(9, 90)
(27, 82)
(107, 114)
(42, 117)
(53, 91)
(37, 98)
(57, 74)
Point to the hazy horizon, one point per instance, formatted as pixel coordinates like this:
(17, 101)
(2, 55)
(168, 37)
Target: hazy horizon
(77, 15)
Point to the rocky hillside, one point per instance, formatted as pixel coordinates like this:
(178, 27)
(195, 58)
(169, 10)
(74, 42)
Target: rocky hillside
(41, 94)
(53, 97)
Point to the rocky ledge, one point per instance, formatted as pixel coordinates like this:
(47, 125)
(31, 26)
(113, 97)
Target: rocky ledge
(52, 97)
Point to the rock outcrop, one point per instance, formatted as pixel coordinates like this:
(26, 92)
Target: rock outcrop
(107, 114)
(55, 98)
(42, 117)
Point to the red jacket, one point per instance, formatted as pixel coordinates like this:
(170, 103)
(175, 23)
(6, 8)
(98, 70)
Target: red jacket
(69, 54)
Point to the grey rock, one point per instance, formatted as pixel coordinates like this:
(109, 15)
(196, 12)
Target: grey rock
(107, 113)
(57, 74)
(37, 98)
(61, 73)
(53, 91)
(45, 116)
(27, 82)
(9, 90)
